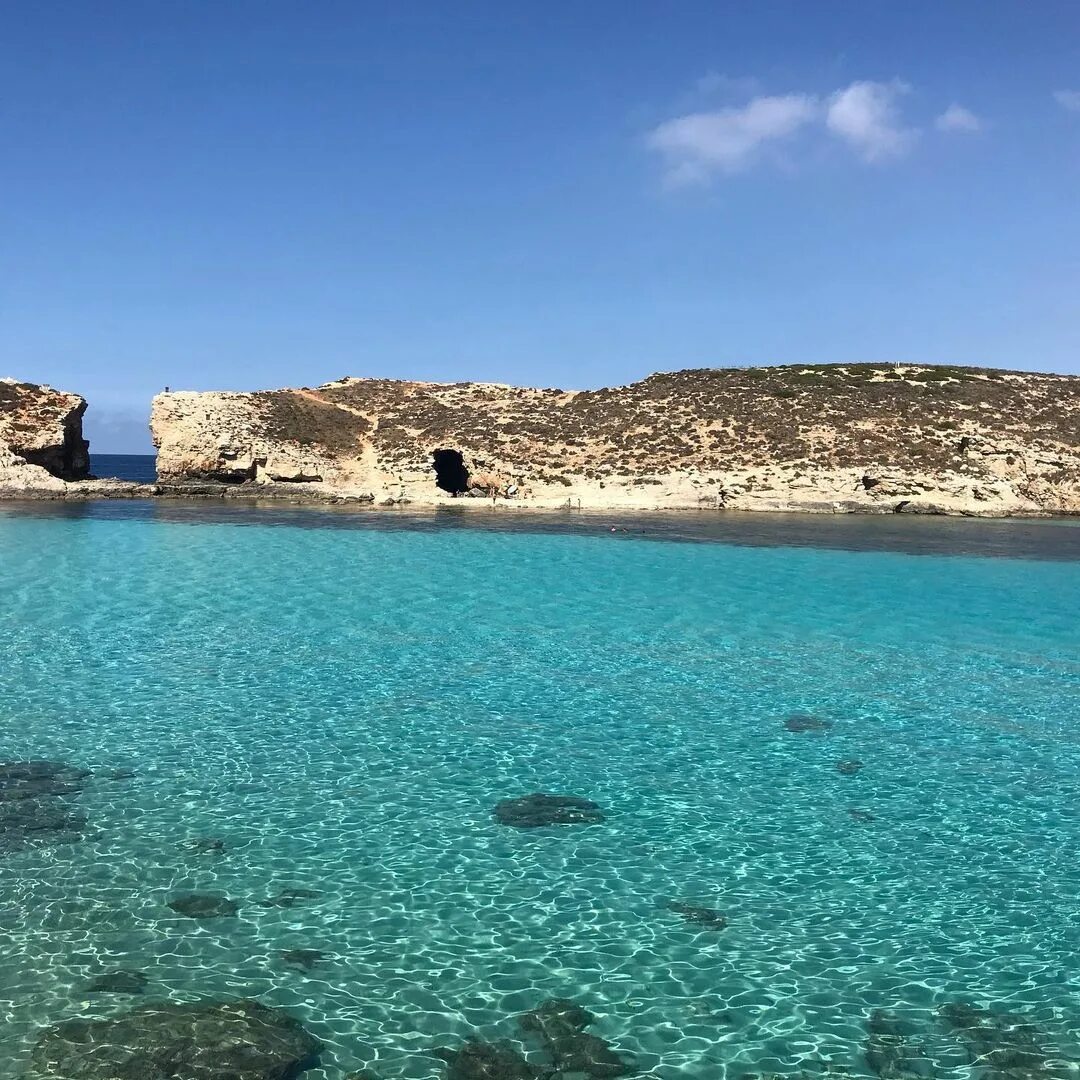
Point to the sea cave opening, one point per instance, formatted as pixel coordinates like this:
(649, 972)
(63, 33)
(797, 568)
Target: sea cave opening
(450, 472)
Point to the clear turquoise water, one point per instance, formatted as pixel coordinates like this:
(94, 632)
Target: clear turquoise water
(343, 706)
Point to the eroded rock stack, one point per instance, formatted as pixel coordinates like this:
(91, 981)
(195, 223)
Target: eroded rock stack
(41, 439)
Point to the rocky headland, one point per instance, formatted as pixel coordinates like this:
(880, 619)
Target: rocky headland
(825, 438)
(822, 438)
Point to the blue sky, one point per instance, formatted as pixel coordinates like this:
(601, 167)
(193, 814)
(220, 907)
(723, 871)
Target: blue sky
(245, 195)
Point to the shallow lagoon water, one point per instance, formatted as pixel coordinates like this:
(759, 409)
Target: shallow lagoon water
(342, 699)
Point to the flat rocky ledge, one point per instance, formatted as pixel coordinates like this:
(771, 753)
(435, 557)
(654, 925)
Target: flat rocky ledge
(324, 494)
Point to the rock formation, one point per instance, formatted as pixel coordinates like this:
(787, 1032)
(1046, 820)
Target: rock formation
(825, 438)
(41, 441)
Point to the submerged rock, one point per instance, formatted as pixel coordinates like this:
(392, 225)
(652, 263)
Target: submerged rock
(554, 1018)
(560, 1025)
(204, 845)
(118, 982)
(31, 822)
(713, 1014)
(303, 958)
(478, 1060)
(590, 1054)
(31, 779)
(814, 1069)
(537, 810)
(33, 810)
(849, 767)
(288, 898)
(233, 1040)
(805, 722)
(1006, 1047)
(204, 906)
(889, 1051)
(707, 918)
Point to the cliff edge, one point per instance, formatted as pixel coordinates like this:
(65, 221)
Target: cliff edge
(826, 438)
(41, 440)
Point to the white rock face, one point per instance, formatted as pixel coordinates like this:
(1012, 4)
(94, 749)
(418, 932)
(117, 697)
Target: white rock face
(223, 437)
(823, 439)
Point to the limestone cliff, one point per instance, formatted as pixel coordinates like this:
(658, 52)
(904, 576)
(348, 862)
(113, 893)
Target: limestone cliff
(827, 438)
(41, 440)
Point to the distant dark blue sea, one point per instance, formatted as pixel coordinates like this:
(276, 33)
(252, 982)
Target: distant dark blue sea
(139, 468)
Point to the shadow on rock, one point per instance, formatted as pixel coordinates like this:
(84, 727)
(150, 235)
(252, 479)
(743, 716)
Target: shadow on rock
(537, 810)
(33, 810)
(234, 1040)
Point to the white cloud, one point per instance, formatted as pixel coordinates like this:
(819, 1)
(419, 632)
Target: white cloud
(865, 114)
(700, 144)
(1068, 99)
(957, 118)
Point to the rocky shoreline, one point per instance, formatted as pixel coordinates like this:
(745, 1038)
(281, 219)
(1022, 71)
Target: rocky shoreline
(827, 439)
(324, 496)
